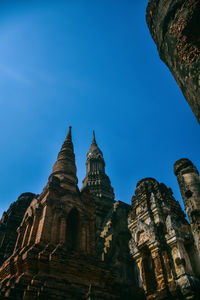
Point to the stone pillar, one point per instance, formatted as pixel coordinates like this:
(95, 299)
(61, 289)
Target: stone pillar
(139, 265)
(169, 272)
(189, 183)
(142, 272)
(161, 285)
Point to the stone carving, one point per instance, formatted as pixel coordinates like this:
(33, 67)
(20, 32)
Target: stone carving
(171, 225)
(144, 233)
(154, 234)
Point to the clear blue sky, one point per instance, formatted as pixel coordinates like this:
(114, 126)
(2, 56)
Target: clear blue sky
(91, 65)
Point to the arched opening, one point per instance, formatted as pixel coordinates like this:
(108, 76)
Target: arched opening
(73, 231)
(148, 270)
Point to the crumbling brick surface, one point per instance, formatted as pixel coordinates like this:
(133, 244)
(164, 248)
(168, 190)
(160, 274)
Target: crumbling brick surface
(174, 26)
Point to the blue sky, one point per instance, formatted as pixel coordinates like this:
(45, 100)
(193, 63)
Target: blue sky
(91, 65)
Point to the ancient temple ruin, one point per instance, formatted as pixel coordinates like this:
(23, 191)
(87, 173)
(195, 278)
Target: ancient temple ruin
(76, 244)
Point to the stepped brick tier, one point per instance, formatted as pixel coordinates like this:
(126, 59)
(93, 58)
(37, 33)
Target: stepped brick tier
(72, 244)
(174, 26)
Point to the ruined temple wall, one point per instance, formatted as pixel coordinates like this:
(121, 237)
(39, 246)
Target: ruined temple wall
(162, 243)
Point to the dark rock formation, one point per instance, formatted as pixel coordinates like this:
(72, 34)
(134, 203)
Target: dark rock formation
(9, 223)
(175, 28)
(116, 252)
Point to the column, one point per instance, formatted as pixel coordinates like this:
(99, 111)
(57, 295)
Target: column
(158, 269)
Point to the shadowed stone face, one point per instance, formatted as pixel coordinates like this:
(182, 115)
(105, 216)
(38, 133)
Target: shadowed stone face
(9, 223)
(174, 26)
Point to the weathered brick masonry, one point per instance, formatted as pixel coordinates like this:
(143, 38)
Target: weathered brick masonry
(72, 244)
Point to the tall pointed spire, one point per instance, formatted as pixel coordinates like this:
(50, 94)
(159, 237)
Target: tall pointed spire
(69, 134)
(96, 179)
(98, 184)
(65, 163)
(68, 140)
(94, 139)
(94, 150)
